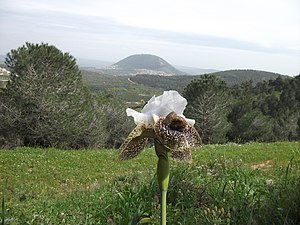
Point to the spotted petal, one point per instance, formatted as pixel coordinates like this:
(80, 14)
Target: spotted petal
(135, 142)
(175, 133)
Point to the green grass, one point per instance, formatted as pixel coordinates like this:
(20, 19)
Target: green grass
(226, 184)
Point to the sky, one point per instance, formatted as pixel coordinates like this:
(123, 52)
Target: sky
(207, 34)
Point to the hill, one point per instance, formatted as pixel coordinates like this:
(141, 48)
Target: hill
(141, 87)
(142, 64)
(231, 77)
(120, 87)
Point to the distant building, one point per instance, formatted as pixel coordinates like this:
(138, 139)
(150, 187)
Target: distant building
(4, 77)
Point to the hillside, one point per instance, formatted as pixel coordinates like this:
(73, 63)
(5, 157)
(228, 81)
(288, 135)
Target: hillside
(142, 64)
(231, 77)
(142, 87)
(120, 87)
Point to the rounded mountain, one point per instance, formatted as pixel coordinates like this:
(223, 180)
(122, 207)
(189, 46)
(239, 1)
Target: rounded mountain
(145, 64)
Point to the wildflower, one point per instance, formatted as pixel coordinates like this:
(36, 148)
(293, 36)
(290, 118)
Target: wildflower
(162, 119)
(269, 182)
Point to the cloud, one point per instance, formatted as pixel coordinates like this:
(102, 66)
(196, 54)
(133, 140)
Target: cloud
(183, 31)
(55, 24)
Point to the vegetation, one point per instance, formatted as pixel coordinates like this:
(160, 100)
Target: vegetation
(209, 101)
(229, 184)
(119, 87)
(233, 77)
(46, 103)
(268, 111)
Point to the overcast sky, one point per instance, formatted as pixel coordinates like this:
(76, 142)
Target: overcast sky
(214, 34)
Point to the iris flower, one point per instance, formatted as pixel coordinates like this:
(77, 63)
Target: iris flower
(162, 119)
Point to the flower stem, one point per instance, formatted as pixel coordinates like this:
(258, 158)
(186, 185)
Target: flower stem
(163, 177)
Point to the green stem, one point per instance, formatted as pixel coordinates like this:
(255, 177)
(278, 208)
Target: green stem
(163, 219)
(163, 177)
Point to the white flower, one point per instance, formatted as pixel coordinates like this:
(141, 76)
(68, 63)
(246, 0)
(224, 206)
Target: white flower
(169, 101)
(269, 182)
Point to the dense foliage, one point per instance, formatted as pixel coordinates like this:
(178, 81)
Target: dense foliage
(119, 87)
(209, 102)
(46, 103)
(267, 111)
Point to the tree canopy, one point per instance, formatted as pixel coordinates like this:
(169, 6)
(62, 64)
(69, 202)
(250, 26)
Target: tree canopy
(267, 111)
(208, 103)
(46, 103)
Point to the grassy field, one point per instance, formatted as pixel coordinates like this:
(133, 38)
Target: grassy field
(226, 184)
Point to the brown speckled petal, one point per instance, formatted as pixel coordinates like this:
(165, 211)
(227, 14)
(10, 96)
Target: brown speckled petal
(177, 135)
(135, 142)
(182, 155)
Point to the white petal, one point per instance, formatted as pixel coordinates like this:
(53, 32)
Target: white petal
(190, 121)
(172, 101)
(169, 101)
(152, 106)
(140, 117)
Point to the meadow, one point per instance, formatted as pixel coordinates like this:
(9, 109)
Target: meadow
(254, 183)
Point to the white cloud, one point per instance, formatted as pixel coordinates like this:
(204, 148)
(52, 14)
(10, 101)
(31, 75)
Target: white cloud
(212, 33)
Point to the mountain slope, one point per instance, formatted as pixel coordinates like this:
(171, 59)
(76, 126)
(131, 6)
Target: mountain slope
(231, 77)
(142, 64)
(120, 87)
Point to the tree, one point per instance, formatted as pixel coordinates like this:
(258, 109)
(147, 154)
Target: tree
(50, 105)
(208, 103)
(119, 125)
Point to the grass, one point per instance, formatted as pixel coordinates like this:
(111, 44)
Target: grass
(226, 184)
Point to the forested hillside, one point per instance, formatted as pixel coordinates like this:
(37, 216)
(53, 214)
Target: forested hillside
(231, 77)
(120, 87)
(267, 111)
(142, 87)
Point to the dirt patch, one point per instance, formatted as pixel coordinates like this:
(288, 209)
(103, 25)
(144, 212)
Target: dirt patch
(263, 165)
